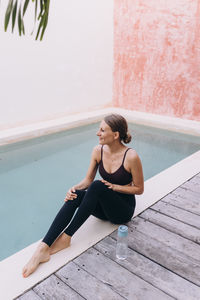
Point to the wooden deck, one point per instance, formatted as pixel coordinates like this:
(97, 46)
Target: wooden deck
(163, 261)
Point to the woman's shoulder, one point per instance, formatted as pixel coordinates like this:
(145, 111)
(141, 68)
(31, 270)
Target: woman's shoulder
(132, 154)
(97, 148)
(97, 152)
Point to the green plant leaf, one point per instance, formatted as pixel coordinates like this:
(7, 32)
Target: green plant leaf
(39, 27)
(20, 21)
(8, 13)
(41, 5)
(47, 4)
(44, 27)
(36, 6)
(23, 29)
(25, 6)
(14, 14)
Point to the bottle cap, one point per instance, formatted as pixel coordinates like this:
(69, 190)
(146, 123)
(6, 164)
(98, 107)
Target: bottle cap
(122, 230)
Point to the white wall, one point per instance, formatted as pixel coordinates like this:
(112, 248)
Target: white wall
(69, 71)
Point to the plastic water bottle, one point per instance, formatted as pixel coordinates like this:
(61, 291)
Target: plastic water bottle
(122, 242)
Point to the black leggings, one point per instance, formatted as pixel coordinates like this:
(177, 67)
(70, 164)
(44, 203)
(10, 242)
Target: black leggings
(99, 201)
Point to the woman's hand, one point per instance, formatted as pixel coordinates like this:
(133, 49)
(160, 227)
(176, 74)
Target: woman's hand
(71, 194)
(108, 184)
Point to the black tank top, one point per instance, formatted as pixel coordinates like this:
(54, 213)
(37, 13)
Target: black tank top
(120, 176)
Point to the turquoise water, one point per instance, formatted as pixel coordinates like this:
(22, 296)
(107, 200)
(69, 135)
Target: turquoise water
(36, 174)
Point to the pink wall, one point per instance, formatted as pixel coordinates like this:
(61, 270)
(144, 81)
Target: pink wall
(157, 56)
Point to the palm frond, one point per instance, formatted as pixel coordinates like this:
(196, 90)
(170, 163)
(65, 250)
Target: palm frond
(14, 11)
(25, 6)
(8, 14)
(41, 14)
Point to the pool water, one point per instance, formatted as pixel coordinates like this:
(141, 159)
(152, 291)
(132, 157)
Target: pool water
(36, 174)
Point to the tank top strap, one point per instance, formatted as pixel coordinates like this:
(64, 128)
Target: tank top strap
(125, 155)
(102, 153)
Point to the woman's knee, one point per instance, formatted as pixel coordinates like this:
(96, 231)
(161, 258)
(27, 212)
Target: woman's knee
(97, 185)
(80, 193)
(76, 201)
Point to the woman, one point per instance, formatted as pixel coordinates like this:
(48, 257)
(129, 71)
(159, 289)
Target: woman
(111, 198)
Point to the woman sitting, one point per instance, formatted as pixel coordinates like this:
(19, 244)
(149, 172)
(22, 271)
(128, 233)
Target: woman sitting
(112, 198)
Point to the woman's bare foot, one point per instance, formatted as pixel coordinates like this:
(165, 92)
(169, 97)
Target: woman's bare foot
(42, 254)
(62, 242)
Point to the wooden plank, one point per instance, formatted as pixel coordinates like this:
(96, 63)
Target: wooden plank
(172, 225)
(151, 272)
(195, 179)
(168, 238)
(191, 186)
(190, 204)
(90, 287)
(186, 194)
(30, 295)
(177, 213)
(198, 175)
(118, 278)
(166, 256)
(54, 288)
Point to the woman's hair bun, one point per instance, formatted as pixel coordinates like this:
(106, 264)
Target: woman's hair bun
(127, 138)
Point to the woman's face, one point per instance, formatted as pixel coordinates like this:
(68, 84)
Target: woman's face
(105, 134)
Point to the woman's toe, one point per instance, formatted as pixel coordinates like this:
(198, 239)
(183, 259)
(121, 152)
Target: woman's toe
(24, 272)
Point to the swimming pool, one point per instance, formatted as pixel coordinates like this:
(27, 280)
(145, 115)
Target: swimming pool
(35, 175)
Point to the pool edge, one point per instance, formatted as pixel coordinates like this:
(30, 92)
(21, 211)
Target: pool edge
(17, 134)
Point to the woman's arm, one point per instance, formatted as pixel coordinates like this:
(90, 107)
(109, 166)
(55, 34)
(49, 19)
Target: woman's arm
(89, 176)
(92, 170)
(137, 187)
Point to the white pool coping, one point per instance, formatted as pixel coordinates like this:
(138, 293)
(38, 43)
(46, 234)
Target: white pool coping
(20, 133)
(93, 230)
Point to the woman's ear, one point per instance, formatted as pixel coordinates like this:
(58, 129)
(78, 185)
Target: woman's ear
(116, 135)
